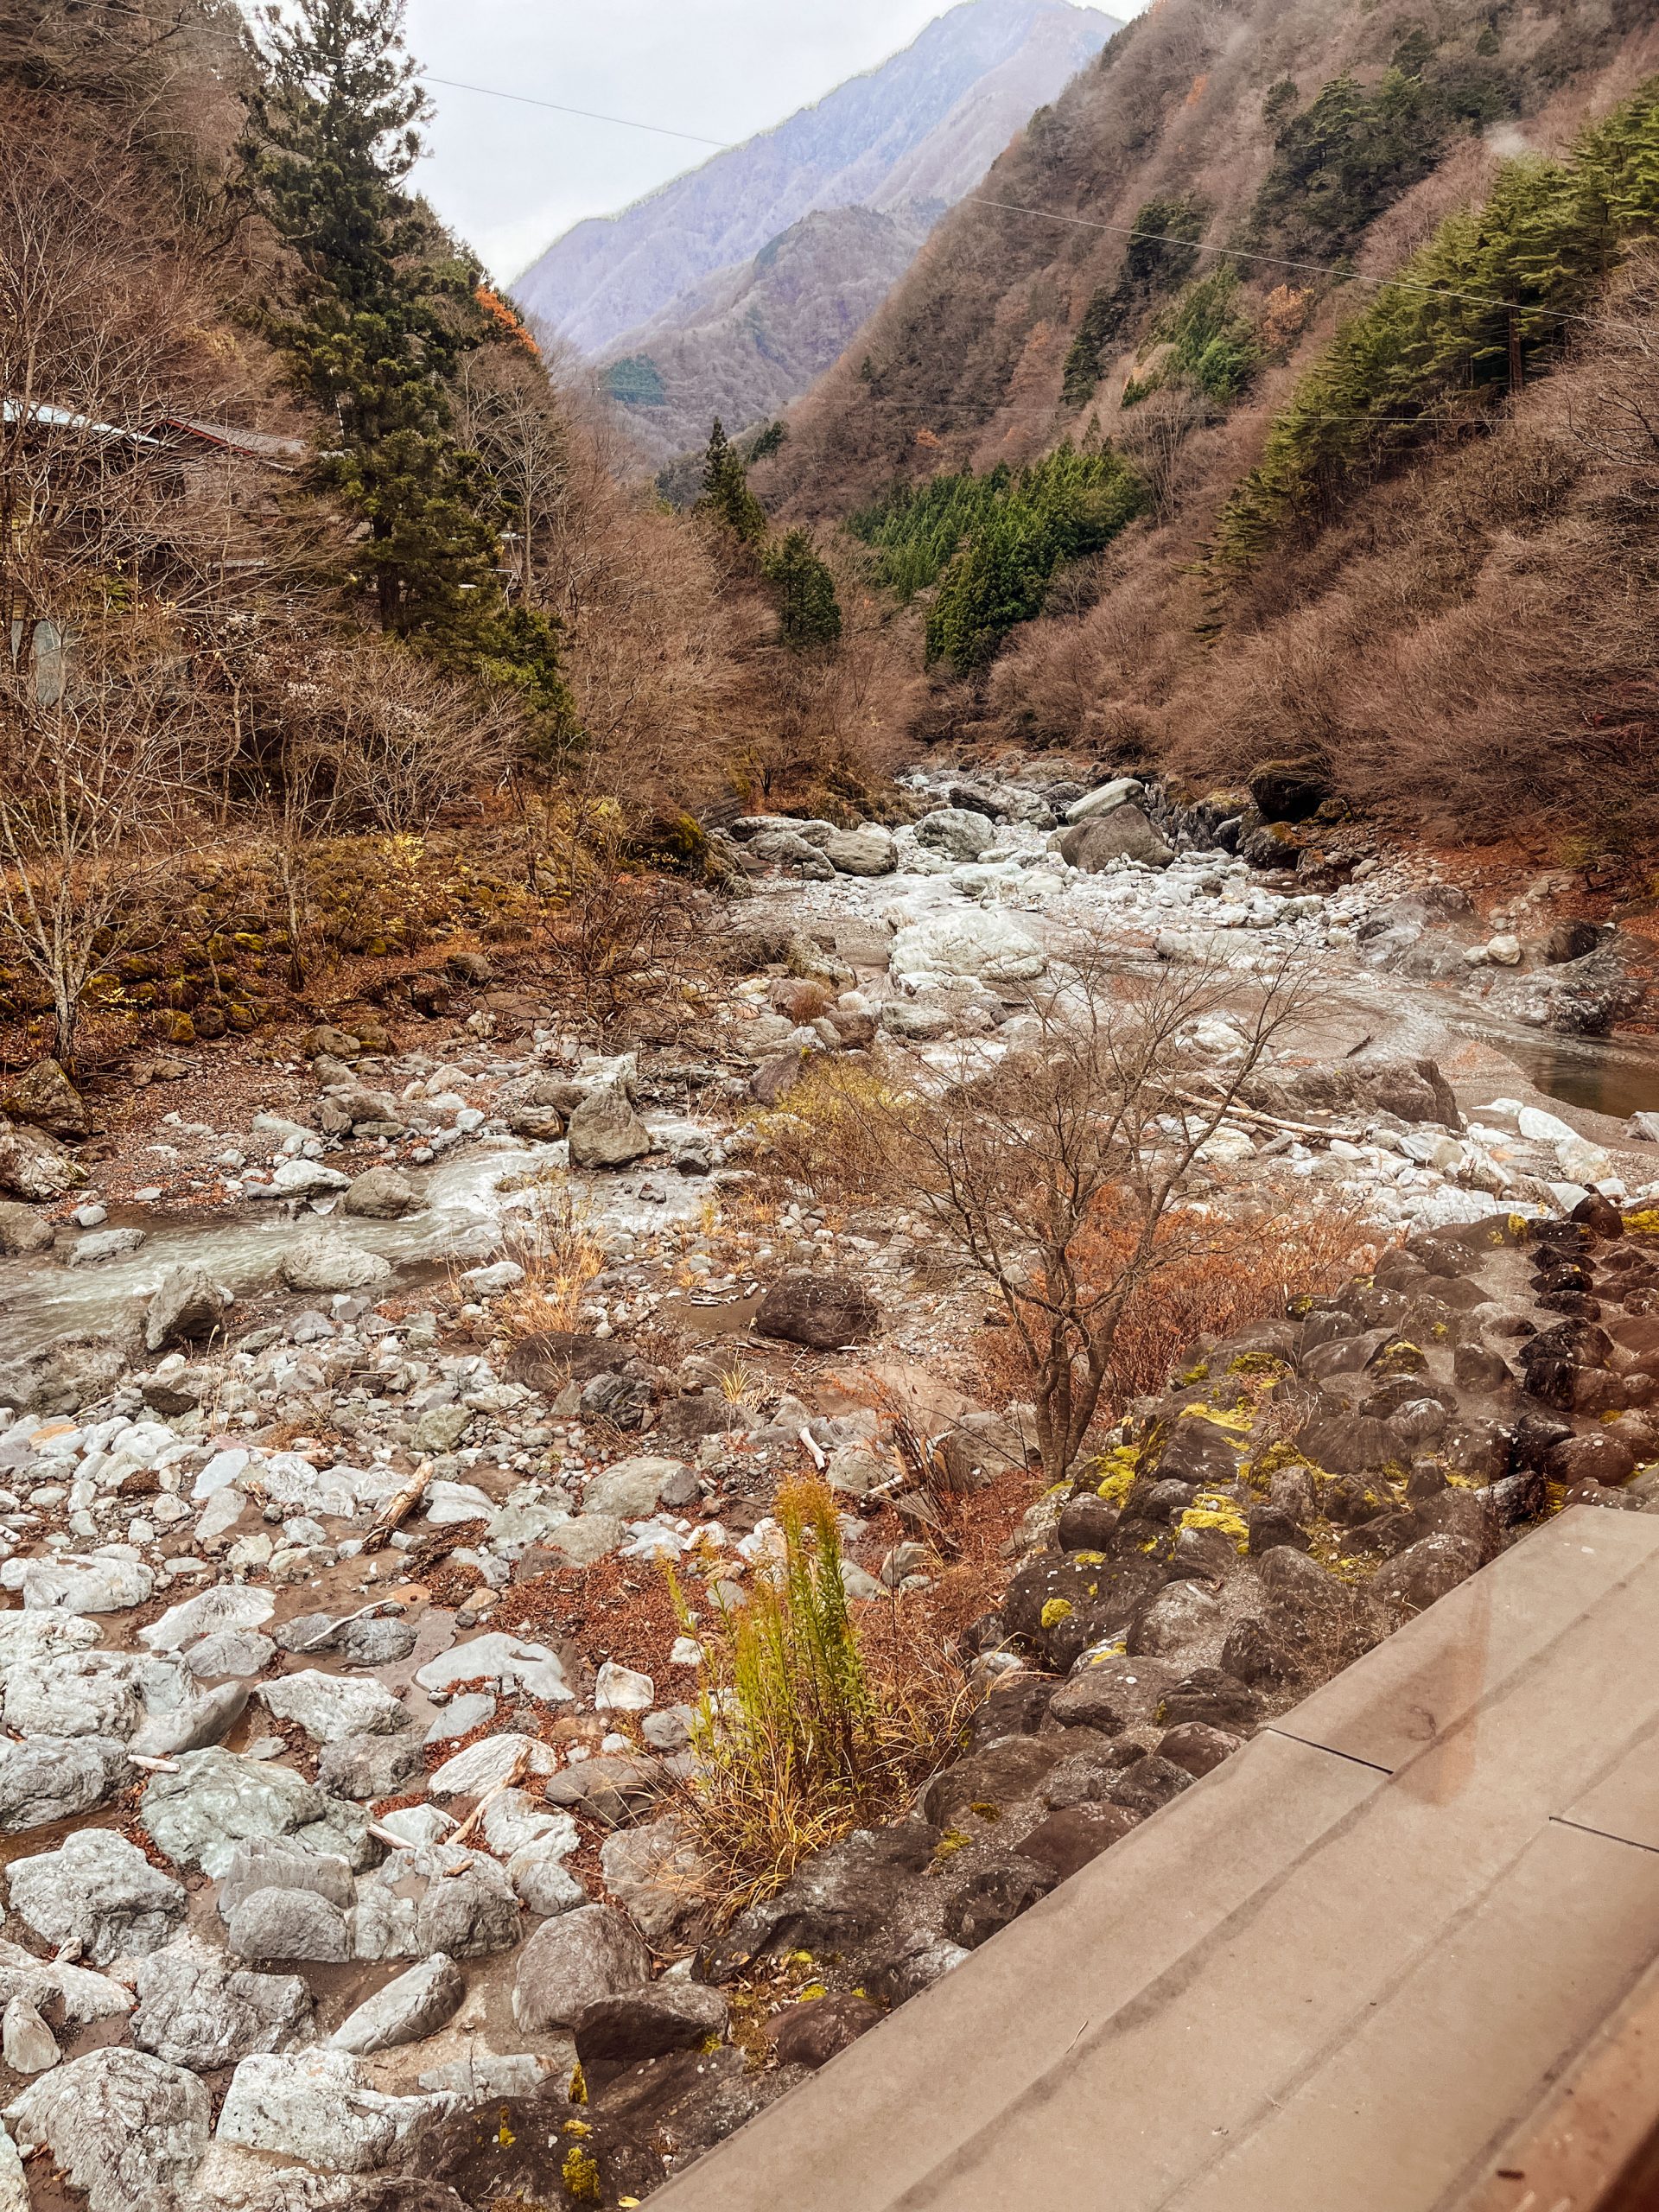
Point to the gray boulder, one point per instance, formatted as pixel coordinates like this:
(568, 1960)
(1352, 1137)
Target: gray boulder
(35, 1165)
(99, 1893)
(632, 1488)
(44, 1096)
(74, 1693)
(27, 2044)
(316, 2105)
(1122, 834)
(1105, 798)
(103, 1244)
(288, 1924)
(217, 1800)
(195, 2009)
(368, 1767)
(57, 1777)
(415, 2005)
(125, 2128)
(193, 1725)
(955, 832)
(231, 1651)
(605, 1132)
(98, 1582)
(867, 850)
(266, 1864)
(381, 1194)
(569, 1962)
(332, 1707)
(658, 1874)
(186, 1308)
(1426, 1571)
(23, 1230)
(323, 1259)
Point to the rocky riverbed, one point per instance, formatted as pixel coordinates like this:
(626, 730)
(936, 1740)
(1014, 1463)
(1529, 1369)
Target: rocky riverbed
(345, 1712)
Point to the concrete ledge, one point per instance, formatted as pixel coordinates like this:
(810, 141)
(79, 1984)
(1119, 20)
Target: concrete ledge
(1337, 1973)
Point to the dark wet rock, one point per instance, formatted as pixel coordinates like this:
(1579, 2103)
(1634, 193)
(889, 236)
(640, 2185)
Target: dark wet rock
(838, 1900)
(1267, 1654)
(1113, 1694)
(1060, 1604)
(1069, 1839)
(1270, 1527)
(1599, 1457)
(1200, 1452)
(1426, 1571)
(515, 2150)
(812, 2033)
(1150, 1783)
(820, 1311)
(992, 1895)
(1196, 1747)
(1211, 1697)
(1466, 1514)
(1086, 1523)
(690, 2100)
(1013, 1708)
(649, 2021)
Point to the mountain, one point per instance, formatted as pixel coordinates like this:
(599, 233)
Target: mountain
(745, 341)
(1327, 276)
(921, 127)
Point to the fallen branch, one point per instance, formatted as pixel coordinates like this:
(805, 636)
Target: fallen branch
(398, 1507)
(813, 1447)
(1237, 1113)
(513, 1775)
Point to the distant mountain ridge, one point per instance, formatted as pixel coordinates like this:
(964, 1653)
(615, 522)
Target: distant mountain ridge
(923, 126)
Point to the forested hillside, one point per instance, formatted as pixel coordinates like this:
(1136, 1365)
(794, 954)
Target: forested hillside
(1363, 299)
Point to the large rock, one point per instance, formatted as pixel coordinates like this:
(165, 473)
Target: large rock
(316, 2105)
(23, 1230)
(223, 1605)
(44, 1096)
(35, 1165)
(266, 1864)
(435, 1898)
(1104, 798)
(822, 1311)
(75, 1694)
(1426, 1571)
(217, 1800)
(126, 2128)
(867, 850)
(187, 1308)
(381, 1194)
(192, 1724)
(571, 1961)
(1289, 791)
(955, 832)
(416, 2004)
(58, 1778)
(98, 1582)
(99, 1893)
(284, 1924)
(649, 2021)
(966, 941)
(1122, 834)
(324, 1259)
(197, 2010)
(660, 1875)
(332, 1707)
(605, 1131)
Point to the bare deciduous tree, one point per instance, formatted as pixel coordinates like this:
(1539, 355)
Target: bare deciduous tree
(1109, 1103)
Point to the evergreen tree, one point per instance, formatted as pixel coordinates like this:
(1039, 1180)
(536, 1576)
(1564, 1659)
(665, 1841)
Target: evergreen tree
(385, 308)
(809, 612)
(727, 497)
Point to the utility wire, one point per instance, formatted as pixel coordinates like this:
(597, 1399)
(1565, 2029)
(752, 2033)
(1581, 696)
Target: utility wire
(622, 122)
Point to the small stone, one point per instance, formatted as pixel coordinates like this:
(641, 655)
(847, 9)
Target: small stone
(27, 2044)
(620, 1689)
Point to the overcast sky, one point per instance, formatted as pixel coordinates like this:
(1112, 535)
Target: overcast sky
(510, 178)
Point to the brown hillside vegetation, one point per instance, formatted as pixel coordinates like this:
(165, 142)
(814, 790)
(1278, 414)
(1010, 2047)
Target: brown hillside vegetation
(1450, 610)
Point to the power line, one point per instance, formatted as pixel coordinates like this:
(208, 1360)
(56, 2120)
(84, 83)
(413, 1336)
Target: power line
(622, 122)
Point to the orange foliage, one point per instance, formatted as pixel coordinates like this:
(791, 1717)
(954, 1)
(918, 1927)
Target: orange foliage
(499, 312)
(1222, 1274)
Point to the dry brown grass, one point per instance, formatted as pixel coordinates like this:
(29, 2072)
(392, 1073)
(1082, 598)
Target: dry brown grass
(551, 1239)
(1225, 1271)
